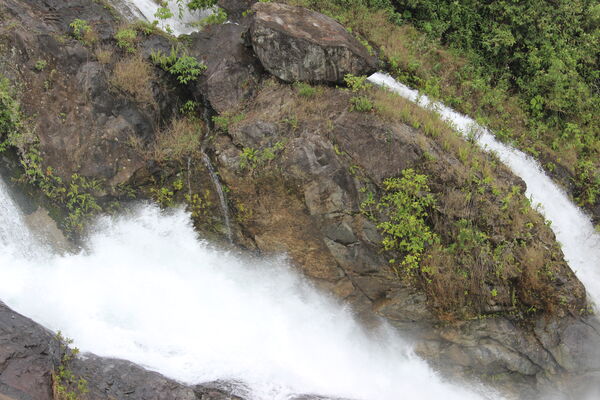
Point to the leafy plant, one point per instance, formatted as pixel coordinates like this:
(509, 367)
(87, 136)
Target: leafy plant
(225, 120)
(406, 204)
(185, 68)
(126, 39)
(80, 27)
(40, 65)
(361, 104)
(253, 158)
(65, 385)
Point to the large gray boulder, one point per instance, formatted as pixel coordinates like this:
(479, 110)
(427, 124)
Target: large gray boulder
(232, 72)
(296, 44)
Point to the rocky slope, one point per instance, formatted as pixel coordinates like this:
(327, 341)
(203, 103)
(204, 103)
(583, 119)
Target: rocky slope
(308, 169)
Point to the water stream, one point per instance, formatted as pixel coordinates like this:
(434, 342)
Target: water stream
(182, 21)
(572, 227)
(221, 194)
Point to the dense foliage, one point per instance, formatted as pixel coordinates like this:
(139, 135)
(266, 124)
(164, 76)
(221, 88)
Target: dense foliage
(529, 69)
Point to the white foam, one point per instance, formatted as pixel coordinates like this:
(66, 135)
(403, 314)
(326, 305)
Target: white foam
(148, 291)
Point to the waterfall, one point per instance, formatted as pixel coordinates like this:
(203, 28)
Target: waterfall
(573, 229)
(148, 290)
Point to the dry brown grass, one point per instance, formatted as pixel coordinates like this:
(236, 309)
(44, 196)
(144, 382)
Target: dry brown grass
(182, 138)
(104, 54)
(133, 76)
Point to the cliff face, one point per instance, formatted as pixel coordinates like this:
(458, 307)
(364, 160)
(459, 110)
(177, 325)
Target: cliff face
(377, 201)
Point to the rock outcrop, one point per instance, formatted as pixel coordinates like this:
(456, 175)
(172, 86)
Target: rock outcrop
(296, 44)
(232, 73)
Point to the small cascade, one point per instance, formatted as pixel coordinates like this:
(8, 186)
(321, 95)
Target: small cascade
(14, 235)
(573, 229)
(222, 196)
(181, 23)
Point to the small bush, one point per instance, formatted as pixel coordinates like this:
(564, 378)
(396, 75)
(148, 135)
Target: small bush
(83, 32)
(361, 103)
(40, 65)
(185, 68)
(305, 90)
(225, 120)
(406, 203)
(126, 39)
(201, 4)
(216, 18)
(103, 54)
(80, 27)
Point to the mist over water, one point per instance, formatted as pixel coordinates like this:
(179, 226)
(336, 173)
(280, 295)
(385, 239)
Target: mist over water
(149, 291)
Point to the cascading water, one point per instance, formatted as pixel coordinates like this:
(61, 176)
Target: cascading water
(149, 291)
(573, 229)
(182, 21)
(222, 199)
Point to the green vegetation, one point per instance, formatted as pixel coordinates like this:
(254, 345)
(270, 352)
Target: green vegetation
(251, 159)
(529, 69)
(80, 27)
(83, 32)
(201, 4)
(40, 65)
(76, 196)
(359, 86)
(218, 17)
(225, 120)
(184, 67)
(126, 39)
(406, 203)
(305, 90)
(65, 385)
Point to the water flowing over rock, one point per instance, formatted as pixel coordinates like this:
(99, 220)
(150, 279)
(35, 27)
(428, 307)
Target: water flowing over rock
(296, 44)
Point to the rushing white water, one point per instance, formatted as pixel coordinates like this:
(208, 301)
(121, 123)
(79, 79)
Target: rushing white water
(574, 230)
(180, 23)
(149, 291)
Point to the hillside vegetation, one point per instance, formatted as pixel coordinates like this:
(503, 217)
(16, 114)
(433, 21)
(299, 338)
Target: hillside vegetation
(527, 69)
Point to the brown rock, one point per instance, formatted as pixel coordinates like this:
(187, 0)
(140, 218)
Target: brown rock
(296, 44)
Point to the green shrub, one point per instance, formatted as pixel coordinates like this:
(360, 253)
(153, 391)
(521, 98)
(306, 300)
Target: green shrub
(305, 90)
(126, 39)
(80, 27)
(225, 120)
(216, 18)
(185, 68)
(361, 103)
(406, 204)
(40, 65)
(201, 4)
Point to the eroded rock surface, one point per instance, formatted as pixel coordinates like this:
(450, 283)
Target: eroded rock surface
(296, 44)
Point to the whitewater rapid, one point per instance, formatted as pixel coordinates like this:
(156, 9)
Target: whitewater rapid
(572, 227)
(148, 290)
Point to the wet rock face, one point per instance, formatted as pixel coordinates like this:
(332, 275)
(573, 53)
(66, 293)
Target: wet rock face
(296, 44)
(232, 72)
(235, 8)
